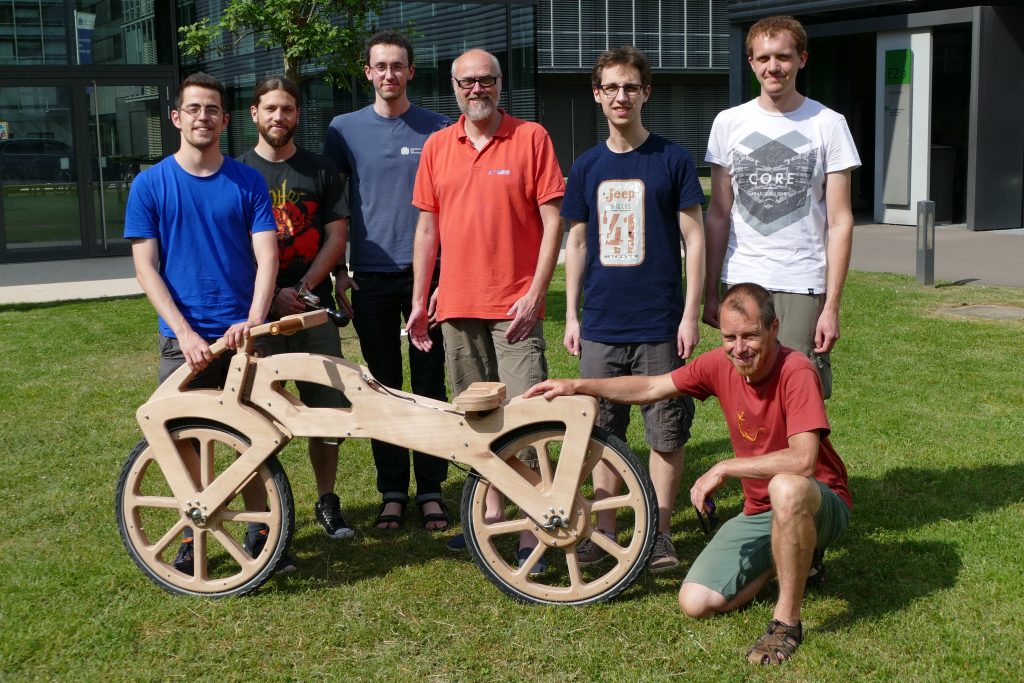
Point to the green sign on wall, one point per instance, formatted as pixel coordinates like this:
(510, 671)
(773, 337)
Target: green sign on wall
(898, 67)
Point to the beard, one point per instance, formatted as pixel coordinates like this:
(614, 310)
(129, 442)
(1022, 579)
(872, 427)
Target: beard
(745, 368)
(478, 108)
(276, 138)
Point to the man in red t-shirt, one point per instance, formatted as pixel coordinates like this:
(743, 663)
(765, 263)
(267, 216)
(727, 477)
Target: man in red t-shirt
(796, 495)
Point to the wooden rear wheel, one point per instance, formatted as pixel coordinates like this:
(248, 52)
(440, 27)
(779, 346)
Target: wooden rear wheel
(494, 540)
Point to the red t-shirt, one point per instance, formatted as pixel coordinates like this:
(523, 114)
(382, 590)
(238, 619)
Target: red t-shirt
(762, 417)
(488, 213)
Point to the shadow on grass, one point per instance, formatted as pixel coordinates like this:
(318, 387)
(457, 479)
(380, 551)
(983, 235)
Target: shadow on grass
(877, 577)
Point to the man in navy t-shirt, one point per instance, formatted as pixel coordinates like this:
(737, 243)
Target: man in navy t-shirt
(628, 201)
(378, 148)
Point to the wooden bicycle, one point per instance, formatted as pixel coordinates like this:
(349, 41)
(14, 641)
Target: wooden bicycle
(236, 433)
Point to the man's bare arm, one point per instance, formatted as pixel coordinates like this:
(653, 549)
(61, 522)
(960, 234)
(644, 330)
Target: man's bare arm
(837, 258)
(146, 257)
(424, 256)
(526, 311)
(639, 389)
(264, 247)
(575, 266)
(716, 230)
(691, 227)
(799, 458)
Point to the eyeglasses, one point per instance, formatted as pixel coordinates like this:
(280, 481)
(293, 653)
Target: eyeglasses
(382, 69)
(611, 89)
(709, 523)
(484, 81)
(212, 110)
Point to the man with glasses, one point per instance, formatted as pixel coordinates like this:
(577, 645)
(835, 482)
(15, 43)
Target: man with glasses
(311, 209)
(780, 197)
(489, 190)
(796, 493)
(204, 246)
(378, 148)
(628, 201)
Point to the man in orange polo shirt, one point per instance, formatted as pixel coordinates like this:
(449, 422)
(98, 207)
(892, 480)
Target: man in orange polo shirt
(489, 191)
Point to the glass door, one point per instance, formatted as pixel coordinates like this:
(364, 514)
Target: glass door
(125, 137)
(40, 193)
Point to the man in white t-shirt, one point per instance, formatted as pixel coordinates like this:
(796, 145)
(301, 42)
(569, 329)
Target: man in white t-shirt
(780, 211)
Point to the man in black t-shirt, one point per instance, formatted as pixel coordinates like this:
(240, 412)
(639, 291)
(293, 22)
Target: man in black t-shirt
(310, 204)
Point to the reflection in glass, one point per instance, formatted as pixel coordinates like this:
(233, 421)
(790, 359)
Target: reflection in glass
(124, 137)
(98, 31)
(37, 168)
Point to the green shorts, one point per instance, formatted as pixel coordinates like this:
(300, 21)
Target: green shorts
(741, 551)
(322, 339)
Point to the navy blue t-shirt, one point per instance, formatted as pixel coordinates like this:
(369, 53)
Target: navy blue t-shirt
(633, 289)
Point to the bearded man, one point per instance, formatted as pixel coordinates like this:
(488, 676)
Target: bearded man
(310, 206)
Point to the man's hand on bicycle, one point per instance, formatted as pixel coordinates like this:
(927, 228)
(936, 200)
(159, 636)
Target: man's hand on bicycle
(195, 350)
(287, 302)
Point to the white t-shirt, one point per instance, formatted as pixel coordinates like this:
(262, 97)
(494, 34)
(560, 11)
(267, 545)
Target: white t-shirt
(778, 164)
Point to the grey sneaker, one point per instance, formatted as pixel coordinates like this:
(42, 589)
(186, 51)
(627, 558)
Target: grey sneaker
(588, 552)
(663, 557)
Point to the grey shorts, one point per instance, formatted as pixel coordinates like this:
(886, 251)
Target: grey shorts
(798, 317)
(666, 423)
(476, 351)
(741, 551)
(322, 339)
(171, 358)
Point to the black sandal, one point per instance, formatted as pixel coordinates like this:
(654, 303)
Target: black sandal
(428, 517)
(398, 519)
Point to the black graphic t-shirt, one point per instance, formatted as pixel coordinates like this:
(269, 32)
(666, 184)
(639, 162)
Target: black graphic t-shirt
(306, 193)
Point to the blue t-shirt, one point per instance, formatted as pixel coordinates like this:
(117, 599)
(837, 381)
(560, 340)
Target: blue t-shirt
(633, 290)
(204, 226)
(380, 155)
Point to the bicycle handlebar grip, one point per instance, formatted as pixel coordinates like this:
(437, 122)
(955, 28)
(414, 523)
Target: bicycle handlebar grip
(288, 325)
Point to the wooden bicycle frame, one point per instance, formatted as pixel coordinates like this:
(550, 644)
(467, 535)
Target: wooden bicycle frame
(255, 404)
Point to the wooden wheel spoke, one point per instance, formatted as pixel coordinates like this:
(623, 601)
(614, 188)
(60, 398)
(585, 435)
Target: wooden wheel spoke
(544, 464)
(511, 526)
(628, 500)
(206, 461)
(135, 501)
(233, 547)
(228, 515)
(200, 551)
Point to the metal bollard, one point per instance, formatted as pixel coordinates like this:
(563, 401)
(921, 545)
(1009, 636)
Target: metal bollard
(926, 243)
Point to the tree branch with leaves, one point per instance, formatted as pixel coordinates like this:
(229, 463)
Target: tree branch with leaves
(327, 34)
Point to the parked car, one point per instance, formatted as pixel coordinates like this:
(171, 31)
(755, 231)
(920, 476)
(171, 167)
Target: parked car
(36, 160)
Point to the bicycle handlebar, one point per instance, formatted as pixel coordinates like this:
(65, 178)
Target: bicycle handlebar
(290, 324)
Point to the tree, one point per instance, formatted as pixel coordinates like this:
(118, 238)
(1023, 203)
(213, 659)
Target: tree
(320, 33)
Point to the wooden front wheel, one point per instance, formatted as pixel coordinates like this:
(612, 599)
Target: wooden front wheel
(152, 520)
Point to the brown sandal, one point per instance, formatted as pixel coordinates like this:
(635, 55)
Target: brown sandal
(777, 644)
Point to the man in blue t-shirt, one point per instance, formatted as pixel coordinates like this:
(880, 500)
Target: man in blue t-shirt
(378, 149)
(628, 201)
(204, 244)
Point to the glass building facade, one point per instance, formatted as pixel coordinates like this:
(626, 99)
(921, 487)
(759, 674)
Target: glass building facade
(86, 85)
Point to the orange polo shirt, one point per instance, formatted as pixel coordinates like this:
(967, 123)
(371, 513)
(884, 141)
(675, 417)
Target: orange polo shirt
(488, 213)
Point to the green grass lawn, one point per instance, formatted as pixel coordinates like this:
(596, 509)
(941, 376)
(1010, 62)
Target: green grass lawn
(926, 585)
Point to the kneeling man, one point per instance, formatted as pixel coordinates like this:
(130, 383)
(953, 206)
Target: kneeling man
(796, 496)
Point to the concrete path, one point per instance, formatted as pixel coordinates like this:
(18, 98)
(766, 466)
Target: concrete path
(983, 258)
